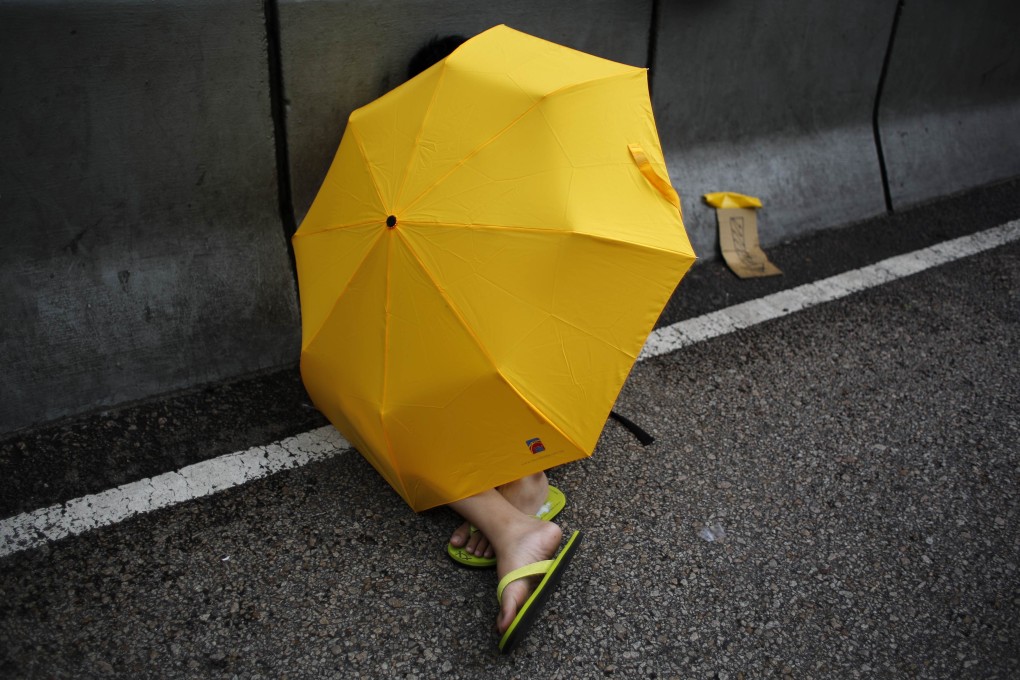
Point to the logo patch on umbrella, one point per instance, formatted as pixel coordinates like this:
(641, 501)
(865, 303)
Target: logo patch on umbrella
(536, 445)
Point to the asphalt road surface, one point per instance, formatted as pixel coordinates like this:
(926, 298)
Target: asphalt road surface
(856, 463)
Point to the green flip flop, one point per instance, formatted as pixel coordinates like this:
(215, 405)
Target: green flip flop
(552, 571)
(553, 504)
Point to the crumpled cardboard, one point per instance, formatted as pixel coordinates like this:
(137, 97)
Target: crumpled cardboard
(738, 234)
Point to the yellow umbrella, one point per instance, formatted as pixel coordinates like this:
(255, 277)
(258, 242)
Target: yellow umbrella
(489, 250)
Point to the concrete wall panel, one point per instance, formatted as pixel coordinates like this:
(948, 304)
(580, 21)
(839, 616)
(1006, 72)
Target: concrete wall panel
(142, 250)
(950, 113)
(339, 55)
(772, 99)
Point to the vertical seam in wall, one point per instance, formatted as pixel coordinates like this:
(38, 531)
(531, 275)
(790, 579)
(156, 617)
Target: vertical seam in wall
(876, 130)
(278, 107)
(653, 43)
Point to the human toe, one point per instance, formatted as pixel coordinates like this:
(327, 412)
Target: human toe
(480, 545)
(510, 605)
(460, 536)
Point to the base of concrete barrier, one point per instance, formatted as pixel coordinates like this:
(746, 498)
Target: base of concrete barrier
(950, 107)
(805, 182)
(142, 247)
(774, 100)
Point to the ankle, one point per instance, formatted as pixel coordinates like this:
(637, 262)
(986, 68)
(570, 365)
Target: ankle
(525, 531)
(532, 485)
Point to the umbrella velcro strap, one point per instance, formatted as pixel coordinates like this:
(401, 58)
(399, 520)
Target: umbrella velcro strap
(654, 178)
(634, 428)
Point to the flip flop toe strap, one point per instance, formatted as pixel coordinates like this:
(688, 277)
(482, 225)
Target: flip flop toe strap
(533, 569)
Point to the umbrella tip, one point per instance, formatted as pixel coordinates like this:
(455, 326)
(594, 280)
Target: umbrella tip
(391, 221)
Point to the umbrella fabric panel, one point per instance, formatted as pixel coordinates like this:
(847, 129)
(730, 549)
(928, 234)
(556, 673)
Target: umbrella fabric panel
(519, 179)
(482, 438)
(349, 195)
(343, 222)
(562, 315)
(465, 113)
(554, 168)
(445, 397)
(424, 129)
(398, 372)
(534, 65)
(329, 261)
(357, 328)
(343, 366)
(386, 133)
(419, 131)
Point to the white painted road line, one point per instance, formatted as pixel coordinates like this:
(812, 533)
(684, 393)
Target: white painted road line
(77, 516)
(32, 529)
(746, 314)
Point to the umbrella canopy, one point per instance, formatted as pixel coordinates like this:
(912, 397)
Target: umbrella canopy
(488, 252)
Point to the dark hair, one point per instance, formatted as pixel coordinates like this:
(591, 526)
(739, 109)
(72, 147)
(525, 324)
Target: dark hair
(435, 50)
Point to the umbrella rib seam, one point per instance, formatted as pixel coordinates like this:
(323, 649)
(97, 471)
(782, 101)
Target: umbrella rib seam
(496, 227)
(598, 237)
(361, 265)
(386, 372)
(421, 130)
(335, 227)
(368, 164)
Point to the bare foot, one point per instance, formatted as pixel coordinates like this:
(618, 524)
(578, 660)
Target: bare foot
(535, 541)
(527, 495)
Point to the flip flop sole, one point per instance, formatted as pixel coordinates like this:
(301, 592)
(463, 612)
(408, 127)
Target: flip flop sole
(533, 606)
(555, 501)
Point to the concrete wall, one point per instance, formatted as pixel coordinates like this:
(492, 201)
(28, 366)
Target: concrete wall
(144, 225)
(772, 99)
(142, 250)
(950, 109)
